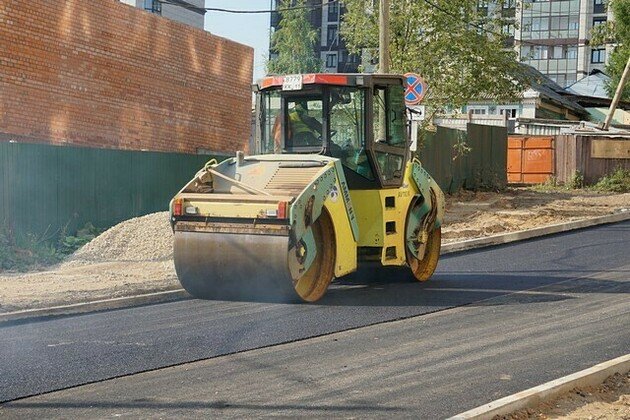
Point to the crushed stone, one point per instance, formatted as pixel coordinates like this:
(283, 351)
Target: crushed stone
(145, 238)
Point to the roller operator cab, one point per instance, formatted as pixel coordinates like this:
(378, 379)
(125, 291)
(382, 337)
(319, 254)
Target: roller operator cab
(331, 185)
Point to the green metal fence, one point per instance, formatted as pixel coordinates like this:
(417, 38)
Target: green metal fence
(472, 160)
(44, 188)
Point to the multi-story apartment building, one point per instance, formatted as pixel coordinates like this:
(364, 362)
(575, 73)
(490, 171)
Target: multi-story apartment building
(325, 17)
(554, 37)
(189, 12)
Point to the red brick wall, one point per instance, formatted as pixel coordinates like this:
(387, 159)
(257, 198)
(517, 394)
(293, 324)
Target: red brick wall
(103, 74)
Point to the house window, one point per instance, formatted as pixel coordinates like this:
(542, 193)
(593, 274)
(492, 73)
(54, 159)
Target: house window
(598, 56)
(510, 112)
(332, 34)
(153, 6)
(478, 111)
(331, 61)
(598, 21)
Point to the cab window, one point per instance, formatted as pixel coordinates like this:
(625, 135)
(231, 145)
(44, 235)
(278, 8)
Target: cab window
(304, 123)
(271, 132)
(388, 107)
(347, 130)
(389, 120)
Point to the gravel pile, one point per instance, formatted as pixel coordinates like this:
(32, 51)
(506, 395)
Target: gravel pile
(146, 238)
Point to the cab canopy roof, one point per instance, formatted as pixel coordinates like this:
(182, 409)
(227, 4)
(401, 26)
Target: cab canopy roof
(335, 79)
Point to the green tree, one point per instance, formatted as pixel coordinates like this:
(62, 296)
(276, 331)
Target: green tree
(445, 42)
(294, 41)
(617, 32)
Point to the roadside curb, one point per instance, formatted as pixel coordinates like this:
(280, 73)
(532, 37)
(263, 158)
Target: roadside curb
(178, 294)
(97, 305)
(521, 235)
(592, 376)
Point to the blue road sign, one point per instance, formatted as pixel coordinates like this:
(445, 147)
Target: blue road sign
(416, 89)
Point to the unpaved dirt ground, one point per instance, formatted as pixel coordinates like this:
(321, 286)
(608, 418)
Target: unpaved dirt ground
(609, 401)
(474, 215)
(136, 256)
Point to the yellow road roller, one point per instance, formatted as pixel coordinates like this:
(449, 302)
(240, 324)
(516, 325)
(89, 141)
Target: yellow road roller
(330, 186)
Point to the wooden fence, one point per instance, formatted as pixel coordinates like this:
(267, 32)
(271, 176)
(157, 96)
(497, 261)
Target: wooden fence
(472, 159)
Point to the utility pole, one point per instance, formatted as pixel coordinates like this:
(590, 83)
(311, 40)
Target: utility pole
(617, 97)
(383, 37)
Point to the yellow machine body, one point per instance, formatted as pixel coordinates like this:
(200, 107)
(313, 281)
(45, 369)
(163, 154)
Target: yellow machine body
(283, 225)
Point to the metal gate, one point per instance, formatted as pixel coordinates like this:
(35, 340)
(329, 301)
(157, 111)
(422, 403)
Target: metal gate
(530, 159)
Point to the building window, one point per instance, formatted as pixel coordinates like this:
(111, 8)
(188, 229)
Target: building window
(599, 6)
(598, 21)
(153, 6)
(598, 56)
(541, 52)
(332, 35)
(561, 79)
(331, 61)
(540, 24)
(333, 12)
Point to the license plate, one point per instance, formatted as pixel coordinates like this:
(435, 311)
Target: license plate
(292, 82)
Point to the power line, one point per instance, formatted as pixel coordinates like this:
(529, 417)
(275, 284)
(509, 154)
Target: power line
(286, 9)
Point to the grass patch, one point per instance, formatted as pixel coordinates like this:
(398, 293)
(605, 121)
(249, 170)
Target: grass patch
(25, 252)
(617, 182)
(30, 252)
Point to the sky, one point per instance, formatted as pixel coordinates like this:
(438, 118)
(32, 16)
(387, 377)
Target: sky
(248, 29)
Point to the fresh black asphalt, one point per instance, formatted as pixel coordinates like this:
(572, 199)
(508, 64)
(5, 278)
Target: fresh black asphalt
(47, 355)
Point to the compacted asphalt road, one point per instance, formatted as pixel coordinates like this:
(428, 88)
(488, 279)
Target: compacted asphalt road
(491, 322)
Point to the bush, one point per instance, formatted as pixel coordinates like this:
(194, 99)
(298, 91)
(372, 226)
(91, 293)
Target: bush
(577, 181)
(618, 181)
(31, 251)
(68, 243)
(25, 252)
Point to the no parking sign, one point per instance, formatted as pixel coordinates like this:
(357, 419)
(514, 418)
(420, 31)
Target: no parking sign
(416, 89)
